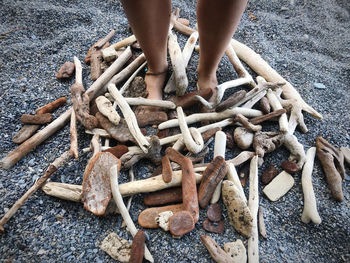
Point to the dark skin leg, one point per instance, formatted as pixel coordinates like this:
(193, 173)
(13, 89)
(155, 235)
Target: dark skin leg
(150, 22)
(217, 22)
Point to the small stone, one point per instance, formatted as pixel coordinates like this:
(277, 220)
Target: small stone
(236, 251)
(214, 212)
(66, 71)
(318, 85)
(42, 252)
(269, 173)
(214, 227)
(31, 162)
(290, 167)
(279, 186)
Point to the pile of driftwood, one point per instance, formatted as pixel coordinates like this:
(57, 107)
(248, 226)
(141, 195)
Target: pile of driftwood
(99, 110)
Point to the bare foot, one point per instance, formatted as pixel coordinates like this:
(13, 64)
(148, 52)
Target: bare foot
(207, 81)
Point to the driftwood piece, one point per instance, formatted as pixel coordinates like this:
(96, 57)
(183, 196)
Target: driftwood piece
(310, 212)
(138, 247)
(148, 102)
(163, 220)
(276, 105)
(36, 119)
(73, 136)
(266, 117)
(262, 228)
(167, 171)
(28, 130)
(333, 165)
(96, 184)
(243, 137)
(186, 55)
(181, 223)
(81, 102)
(96, 65)
(212, 175)
(178, 64)
(114, 174)
(211, 116)
(53, 167)
(219, 150)
(238, 213)
(266, 142)
(191, 137)
(15, 155)
(231, 101)
(296, 149)
(100, 44)
(66, 71)
(129, 118)
(241, 158)
(236, 251)
(118, 132)
(167, 196)
(246, 123)
(262, 68)
(108, 74)
(232, 176)
(106, 108)
(215, 251)
(265, 105)
(253, 204)
(147, 218)
(110, 52)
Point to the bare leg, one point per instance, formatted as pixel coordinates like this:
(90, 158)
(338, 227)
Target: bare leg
(217, 22)
(150, 21)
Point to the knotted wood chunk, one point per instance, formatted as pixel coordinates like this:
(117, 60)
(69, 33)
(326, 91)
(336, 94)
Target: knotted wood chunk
(266, 142)
(332, 161)
(96, 183)
(138, 247)
(81, 106)
(238, 211)
(212, 175)
(181, 223)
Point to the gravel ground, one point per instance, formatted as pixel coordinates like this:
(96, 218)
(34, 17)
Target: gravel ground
(307, 42)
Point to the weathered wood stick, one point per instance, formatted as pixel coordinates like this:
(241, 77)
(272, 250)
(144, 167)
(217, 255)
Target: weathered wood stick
(183, 29)
(186, 55)
(219, 150)
(17, 154)
(53, 167)
(121, 206)
(124, 42)
(211, 116)
(130, 118)
(147, 102)
(262, 68)
(178, 64)
(28, 130)
(73, 192)
(36, 119)
(276, 105)
(109, 73)
(95, 65)
(266, 117)
(99, 44)
(73, 136)
(233, 177)
(253, 204)
(310, 212)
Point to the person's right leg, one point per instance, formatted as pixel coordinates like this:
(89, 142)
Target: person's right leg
(217, 22)
(149, 20)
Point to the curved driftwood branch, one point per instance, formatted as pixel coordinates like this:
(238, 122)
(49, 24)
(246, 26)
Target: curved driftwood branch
(310, 207)
(114, 171)
(211, 116)
(253, 204)
(262, 68)
(129, 118)
(193, 140)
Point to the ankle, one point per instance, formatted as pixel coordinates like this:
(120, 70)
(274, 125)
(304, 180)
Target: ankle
(206, 80)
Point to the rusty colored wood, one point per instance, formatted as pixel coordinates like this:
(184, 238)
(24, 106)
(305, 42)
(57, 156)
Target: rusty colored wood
(147, 218)
(163, 197)
(138, 247)
(267, 117)
(167, 171)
